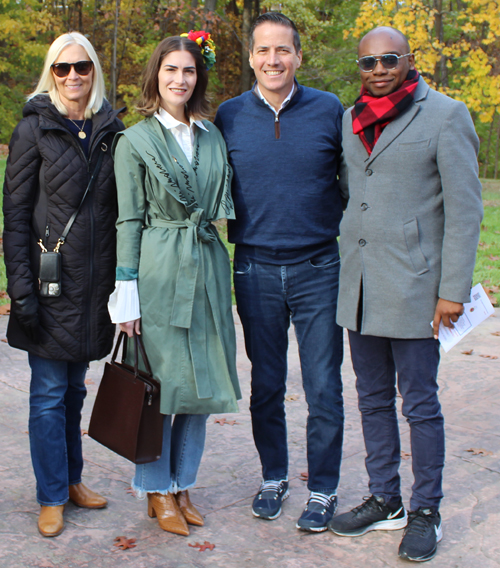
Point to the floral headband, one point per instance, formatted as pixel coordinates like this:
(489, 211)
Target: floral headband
(206, 44)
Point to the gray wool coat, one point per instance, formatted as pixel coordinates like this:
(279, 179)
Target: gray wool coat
(411, 229)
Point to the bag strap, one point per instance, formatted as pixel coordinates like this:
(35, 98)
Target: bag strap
(138, 345)
(62, 238)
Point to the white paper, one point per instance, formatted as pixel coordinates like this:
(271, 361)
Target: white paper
(475, 312)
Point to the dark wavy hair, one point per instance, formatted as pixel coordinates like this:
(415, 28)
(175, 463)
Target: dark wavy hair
(275, 18)
(198, 105)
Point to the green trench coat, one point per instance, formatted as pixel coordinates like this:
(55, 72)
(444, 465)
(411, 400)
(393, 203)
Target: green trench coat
(166, 240)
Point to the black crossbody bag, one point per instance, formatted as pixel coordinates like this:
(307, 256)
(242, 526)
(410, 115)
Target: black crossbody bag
(49, 275)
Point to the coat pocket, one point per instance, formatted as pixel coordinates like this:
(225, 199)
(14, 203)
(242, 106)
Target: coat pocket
(414, 146)
(413, 245)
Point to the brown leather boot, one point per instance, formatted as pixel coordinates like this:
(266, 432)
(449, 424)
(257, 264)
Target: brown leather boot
(169, 515)
(191, 514)
(84, 497)
(50, 521)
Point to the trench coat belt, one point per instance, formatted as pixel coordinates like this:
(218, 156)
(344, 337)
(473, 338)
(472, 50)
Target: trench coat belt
(197, 230)
(189, 285)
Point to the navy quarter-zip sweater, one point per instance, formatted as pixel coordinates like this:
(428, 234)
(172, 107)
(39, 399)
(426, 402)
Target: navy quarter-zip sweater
(285, 185)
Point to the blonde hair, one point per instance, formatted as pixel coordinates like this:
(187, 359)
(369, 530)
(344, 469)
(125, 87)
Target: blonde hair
(46, 84)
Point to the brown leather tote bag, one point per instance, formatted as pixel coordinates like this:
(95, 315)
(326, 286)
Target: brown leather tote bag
(126, 415)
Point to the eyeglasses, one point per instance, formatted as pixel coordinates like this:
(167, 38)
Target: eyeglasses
(81, 67)
(389, 61)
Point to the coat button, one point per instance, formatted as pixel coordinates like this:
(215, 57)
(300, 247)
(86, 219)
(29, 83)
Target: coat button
(362, 242)
(364, 206)
(368, 172)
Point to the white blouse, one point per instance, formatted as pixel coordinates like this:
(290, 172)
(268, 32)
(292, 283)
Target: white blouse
(123, 305)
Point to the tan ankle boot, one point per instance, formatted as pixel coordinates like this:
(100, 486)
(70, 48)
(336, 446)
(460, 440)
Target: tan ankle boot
(191, 514)
(169, 515)
(84, 497)
(50, 521)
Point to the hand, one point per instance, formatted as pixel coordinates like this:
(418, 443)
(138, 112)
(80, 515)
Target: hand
(130, 326)
(447, 312)
(26, 313)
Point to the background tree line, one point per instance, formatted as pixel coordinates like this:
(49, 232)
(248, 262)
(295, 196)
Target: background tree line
(457, 47)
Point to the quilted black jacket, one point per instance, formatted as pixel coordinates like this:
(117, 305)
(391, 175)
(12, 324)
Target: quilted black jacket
(46, 177)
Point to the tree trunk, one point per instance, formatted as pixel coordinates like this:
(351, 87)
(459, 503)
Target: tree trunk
(441, 71)
(246, 70)
(114, 76)
(488, 146)
(210, 6)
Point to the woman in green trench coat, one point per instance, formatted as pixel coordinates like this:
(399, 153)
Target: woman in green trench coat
(173, 274)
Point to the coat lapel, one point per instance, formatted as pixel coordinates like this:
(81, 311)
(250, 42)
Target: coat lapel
(399, 124)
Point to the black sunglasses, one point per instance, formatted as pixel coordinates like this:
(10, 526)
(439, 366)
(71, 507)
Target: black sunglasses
(81, 67)
(389, 61)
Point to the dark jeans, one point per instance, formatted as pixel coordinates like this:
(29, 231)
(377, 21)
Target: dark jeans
(268, 297)
(57, 392)
(376, 360)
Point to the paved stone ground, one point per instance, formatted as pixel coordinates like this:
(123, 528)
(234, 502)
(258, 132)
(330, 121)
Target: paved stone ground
(229, 477)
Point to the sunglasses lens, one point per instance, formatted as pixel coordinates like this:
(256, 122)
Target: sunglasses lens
(367, 63)
(389, 61)
(83, 67)
(61, 69)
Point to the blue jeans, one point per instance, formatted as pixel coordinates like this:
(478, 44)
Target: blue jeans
(376, 360)
(57, 392)
(268, 297)
(176, 470)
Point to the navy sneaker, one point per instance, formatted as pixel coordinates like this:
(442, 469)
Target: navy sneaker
(373, 515)
(267, 502)
(421, 535)
(319, 510)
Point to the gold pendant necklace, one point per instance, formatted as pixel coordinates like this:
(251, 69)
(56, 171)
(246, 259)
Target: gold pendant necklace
(81, 134)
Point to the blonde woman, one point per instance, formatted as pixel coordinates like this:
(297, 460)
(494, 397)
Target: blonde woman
(63, 141)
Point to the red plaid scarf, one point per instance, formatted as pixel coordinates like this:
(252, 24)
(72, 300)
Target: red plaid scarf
(370, 115)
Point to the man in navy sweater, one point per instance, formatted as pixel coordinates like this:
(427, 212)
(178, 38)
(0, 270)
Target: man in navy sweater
(284, 144)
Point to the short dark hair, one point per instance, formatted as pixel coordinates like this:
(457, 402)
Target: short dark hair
(275, 18)
(198, 105)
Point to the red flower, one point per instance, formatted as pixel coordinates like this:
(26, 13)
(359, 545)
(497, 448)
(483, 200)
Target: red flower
(193, 36)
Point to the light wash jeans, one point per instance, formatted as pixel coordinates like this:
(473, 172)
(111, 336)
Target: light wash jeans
(176, 470)
(57, 392)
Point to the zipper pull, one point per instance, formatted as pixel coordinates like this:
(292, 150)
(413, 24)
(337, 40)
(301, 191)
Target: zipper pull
(47, 232)
(277, 132)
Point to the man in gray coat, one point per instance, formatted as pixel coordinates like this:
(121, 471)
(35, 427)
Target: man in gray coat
(408, 244)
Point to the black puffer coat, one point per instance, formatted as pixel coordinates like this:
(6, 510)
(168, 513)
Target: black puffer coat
(46, 177)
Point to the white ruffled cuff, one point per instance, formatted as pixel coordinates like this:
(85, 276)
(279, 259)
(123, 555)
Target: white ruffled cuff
(123, 304)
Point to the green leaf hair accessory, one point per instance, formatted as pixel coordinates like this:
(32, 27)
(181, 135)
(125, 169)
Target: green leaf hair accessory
(207, 46)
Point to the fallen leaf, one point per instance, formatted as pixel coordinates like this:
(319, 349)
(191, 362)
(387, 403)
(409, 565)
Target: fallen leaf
(479, 452)
(467, 351)
(4, 309)
(89, 382)
(405, 455)
(123, 542)
(290, 397)
(223, 421)
(304, 476)
(484, 228)
(489, 356)
(85, 432)
(130, 491)
(497, 333)
(482, 244)
(3, 294)
(206, 545)
(4, 340)
(492, 257)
